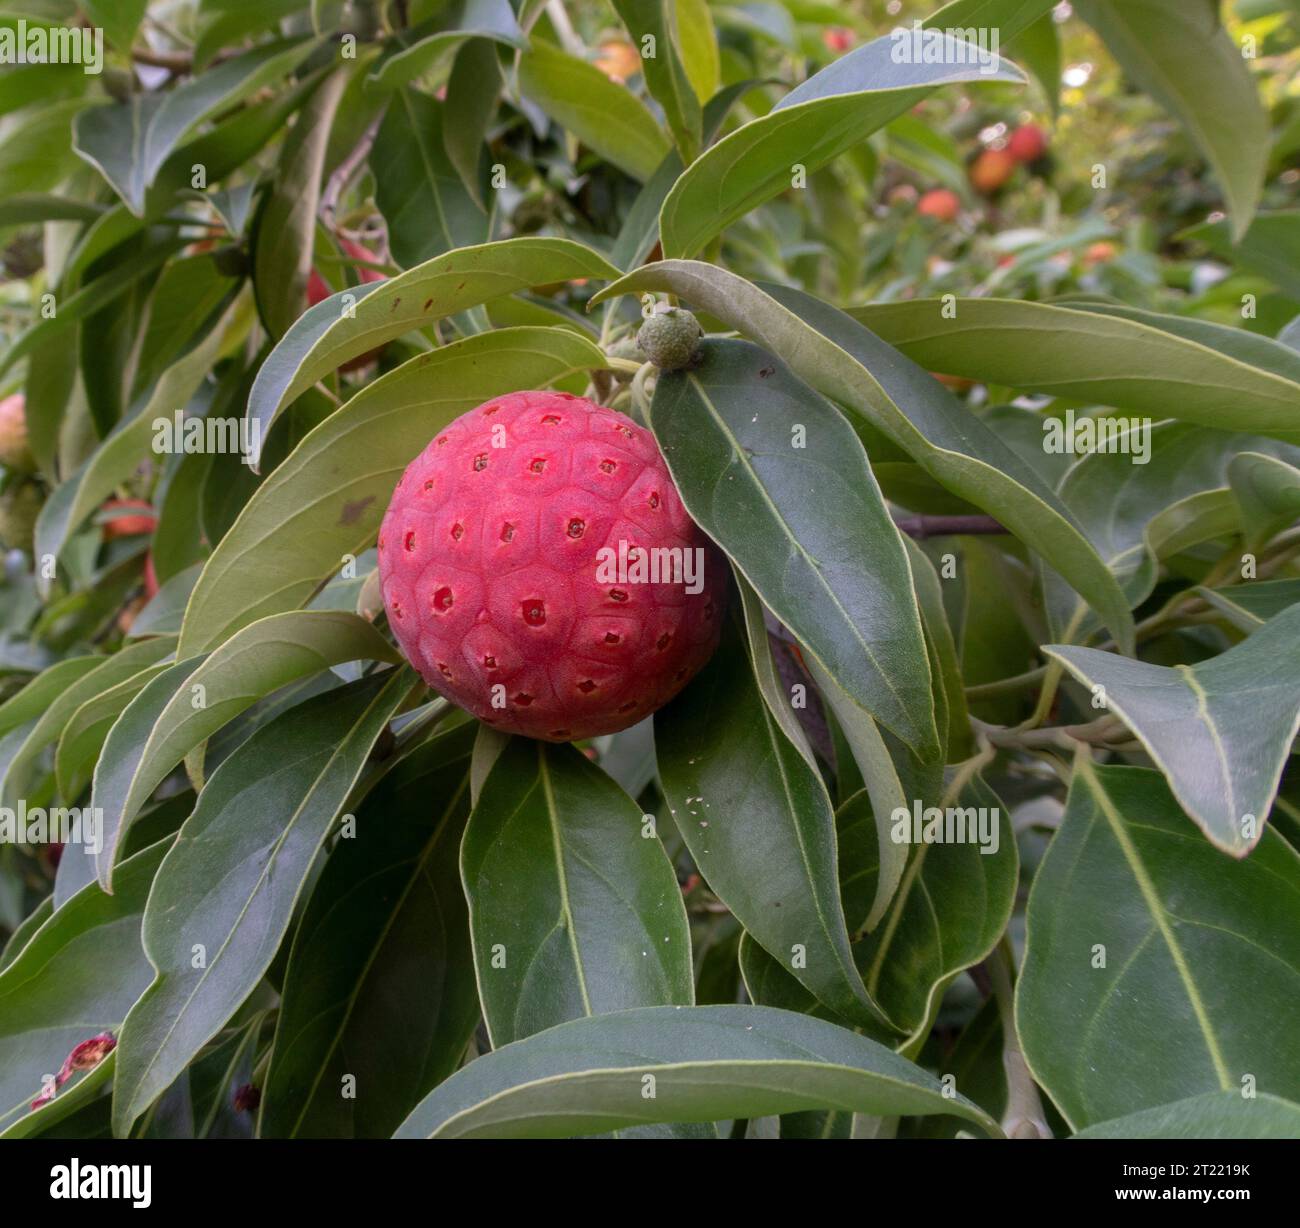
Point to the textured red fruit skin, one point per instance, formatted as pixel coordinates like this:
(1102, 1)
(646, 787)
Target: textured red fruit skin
(488, 558)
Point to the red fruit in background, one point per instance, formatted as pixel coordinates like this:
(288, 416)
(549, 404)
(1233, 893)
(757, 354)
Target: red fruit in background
(1098, 253)
(939, 203)
(837, 38)
(318, 290)
(150, 578)
(618, 60)
(119, 525)
(990, 170)
(1027, 143)
(15, 448)
(500, 575)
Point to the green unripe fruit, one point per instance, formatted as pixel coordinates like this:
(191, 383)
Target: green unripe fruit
(19, 507)
(670, 337)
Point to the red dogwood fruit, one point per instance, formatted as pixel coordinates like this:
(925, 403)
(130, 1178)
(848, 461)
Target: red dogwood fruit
(540, 570)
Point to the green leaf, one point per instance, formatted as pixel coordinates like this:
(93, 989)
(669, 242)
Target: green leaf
(1270, 247)
(697, 43)
(1083, 355)
(472, 92)
(1200, 952)
(36, 146)
(851, 366)
(949, 911)
(26, 210)
(1248, 606)
(665, 73)
(230, 883)
(377, 984)
(574, 907)
(285, 232)
(31, 702)
(1159, 489)
(314, 510)
(1011, 17)
(746, 443)
(166, 721)
(1180, 54)
(116, 459)
(1220, 730)
(356, 320)
(128, 142)
(77, 976)
(833, 110)
(419, 191)
(79, 746)
(108, 672)
(602, 114)
(418, 50)
(708, 1063)
(1212, 1115)
(758, 822)
(120, 19)
(1267, 491)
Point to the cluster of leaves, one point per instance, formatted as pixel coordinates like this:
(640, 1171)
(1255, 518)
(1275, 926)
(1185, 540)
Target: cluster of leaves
(326, 903)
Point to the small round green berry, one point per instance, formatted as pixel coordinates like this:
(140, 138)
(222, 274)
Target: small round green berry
(670, 337)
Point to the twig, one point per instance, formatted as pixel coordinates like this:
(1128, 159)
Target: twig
(344, 171)
(1024, 1117)
(921, 527)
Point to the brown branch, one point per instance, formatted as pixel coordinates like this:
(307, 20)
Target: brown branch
(922, 527)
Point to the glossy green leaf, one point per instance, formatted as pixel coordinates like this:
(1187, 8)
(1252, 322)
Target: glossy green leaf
(285, 232)
(1097, 358)
(651, 24)
(707, 1062)
(851, 366)
(1220, 730)
(378, 985)
(116, 459)
(417, 50)
(1248, 606)
(473, 89)
(698, 45)
(160, 727)
(1157, 490)
(120, 19)
(1180, 54)
(355, 321)
(230, 883)
(1267, 490)
(833, 110)
(106, 673)
(427, 207)
(574, 906)
(952, 905)
(83, 736)
(602, 114)
(1199, 952)
(774, 474)
(128, 142)
(1270, 247)
(1212, 1115)
(758, 822)
(316, 508)
(77, 976)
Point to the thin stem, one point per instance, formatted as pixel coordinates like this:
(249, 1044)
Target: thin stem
(1024, 1117)
(921, 527)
